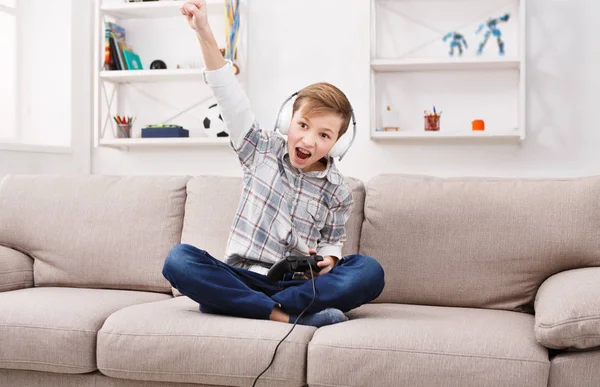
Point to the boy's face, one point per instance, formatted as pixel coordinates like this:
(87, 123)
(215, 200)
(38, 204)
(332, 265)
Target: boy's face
(311, 137)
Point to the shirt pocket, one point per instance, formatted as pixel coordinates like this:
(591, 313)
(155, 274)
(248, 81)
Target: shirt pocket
(318, 213)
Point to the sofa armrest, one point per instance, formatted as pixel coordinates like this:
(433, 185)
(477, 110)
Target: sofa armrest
(16, 270)
(567, 310)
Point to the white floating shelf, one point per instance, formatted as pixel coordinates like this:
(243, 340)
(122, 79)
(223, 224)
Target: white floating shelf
(151, 10)
(159, 75)
(165, 142)
(446, 135)
(450, 63)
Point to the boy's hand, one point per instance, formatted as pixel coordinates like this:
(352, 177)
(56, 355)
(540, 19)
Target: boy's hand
(325, 265)
(195, 11)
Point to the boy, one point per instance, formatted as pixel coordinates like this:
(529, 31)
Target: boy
(294, 201)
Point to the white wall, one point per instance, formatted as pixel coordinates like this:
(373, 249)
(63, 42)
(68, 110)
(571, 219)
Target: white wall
(293, 43)
(333, 45)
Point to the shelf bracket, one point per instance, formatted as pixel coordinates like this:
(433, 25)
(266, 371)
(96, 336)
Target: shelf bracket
(109, 106)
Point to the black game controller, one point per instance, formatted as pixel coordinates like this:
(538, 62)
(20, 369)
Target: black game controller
(294, 264)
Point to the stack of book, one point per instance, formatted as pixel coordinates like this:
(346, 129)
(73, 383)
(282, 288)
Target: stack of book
(117, 54)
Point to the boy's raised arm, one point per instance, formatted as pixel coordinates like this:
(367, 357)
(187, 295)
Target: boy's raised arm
(232, 100)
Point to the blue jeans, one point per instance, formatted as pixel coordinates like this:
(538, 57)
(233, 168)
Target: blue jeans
(224, 289)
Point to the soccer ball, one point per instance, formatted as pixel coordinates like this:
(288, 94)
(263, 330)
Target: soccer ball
(213, 122)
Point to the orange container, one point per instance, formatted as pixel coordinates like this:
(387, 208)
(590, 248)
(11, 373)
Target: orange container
(478, 125)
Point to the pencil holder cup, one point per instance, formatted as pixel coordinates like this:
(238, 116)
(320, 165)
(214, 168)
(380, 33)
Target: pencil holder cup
(123, 131)
(432, 122)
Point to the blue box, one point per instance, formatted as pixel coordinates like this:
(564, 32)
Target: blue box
(164, 132)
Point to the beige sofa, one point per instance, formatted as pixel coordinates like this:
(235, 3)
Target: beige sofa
(467, 262)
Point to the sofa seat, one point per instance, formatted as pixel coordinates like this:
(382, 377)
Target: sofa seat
(21, 378)
(415, 345)
(172, 341)
(55, 329)
(575, 369)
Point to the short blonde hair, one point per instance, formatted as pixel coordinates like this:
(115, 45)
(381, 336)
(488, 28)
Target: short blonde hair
(324, 97)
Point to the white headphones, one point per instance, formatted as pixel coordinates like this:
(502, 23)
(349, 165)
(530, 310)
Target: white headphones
(284, 120)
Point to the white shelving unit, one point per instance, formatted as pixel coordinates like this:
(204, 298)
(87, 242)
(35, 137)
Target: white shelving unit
(412, 71)
(109, 86)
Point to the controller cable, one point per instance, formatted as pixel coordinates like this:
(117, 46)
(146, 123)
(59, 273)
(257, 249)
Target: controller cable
(297, 318)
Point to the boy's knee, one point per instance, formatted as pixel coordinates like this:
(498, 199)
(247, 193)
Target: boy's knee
(378, 278)
(366, 264)
(372, 275)
(176, 260)
(375, 269)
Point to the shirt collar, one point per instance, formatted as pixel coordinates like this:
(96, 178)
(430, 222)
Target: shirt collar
(330, 172)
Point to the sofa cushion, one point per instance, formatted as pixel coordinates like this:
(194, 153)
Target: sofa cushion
(575, 369)
(172, 341)
(478, 242)
(16, 270)
(211, 205)
(94, 231)
(54, 329)
(412, 345)
(567, 310)
(209, 210)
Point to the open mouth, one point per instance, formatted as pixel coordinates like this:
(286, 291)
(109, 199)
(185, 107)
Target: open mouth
(302, 154)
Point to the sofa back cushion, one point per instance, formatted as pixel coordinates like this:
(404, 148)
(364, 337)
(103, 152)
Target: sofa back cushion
(478, 242)
(94, 231)
(211, 205)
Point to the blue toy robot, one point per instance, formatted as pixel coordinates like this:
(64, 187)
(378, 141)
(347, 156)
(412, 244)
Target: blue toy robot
(457, 41)
(492, 29)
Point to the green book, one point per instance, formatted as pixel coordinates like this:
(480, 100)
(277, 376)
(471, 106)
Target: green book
(132, 60)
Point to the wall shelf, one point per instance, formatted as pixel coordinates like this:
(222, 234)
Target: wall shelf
(160, 142)
(124, 76)
(150, 10)
(387, 65)
(423, 135)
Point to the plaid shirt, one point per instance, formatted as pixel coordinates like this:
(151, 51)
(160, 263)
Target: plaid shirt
(282, 210)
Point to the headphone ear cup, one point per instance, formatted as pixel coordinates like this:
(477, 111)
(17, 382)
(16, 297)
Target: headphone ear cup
(285, 118)
(341, 146)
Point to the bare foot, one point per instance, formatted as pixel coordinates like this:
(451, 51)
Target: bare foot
(279, 315)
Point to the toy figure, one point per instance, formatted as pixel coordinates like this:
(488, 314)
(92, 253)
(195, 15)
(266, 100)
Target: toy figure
(492, 28)
(457, 41)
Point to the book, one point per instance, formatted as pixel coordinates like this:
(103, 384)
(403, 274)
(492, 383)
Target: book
(132, 60)
(108, 58)
(116, 54)
(115, 43)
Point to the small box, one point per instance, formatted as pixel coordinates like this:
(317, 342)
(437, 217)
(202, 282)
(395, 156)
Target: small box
(165, 132)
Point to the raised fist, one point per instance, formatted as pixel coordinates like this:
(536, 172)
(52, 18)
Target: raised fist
(195, 12)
